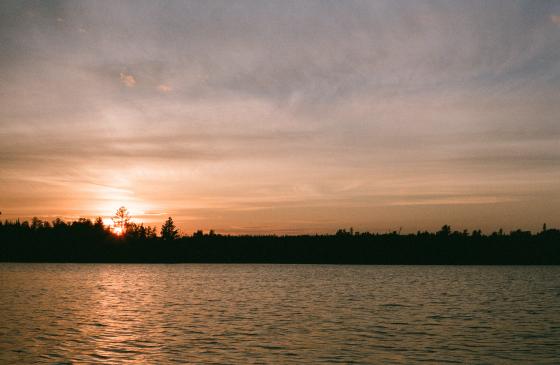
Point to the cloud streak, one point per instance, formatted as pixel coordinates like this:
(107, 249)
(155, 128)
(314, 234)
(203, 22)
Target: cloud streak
(164, 88)
(127, 79)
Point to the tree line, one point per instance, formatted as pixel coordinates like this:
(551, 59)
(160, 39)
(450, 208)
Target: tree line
(84, 240)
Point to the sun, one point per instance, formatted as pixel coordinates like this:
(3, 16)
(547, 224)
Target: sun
(108, 222)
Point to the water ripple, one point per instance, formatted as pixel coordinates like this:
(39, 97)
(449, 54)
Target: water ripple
(278, 314)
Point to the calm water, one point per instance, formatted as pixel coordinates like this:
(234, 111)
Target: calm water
(71, 313)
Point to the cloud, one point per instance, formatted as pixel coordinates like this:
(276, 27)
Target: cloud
(164, 88)
(128, 79)
(388, 99)
(460, 200)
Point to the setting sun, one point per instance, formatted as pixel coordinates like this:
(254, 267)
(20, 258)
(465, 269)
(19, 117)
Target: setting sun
(117, 230)
(108, 223)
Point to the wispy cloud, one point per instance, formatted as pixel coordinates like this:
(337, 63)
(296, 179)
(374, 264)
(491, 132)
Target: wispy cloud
(468, 200)
(127, 79)
(164, 88)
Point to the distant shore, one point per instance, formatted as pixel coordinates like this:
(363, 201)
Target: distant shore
(86, 241)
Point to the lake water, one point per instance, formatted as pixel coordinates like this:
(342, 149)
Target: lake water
(83, 313)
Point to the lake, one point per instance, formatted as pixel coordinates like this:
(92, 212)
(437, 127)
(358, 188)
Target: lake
(83, 313)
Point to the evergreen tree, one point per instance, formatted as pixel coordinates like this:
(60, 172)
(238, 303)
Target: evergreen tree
(168, 230)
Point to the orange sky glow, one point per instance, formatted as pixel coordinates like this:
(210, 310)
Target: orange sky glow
(282, 117)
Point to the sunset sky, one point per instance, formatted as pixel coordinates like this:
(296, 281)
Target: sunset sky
(282, 116)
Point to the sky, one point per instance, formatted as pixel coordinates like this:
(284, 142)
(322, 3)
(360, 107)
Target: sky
(284, 116)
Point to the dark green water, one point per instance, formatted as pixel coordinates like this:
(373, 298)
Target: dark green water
(157, 314)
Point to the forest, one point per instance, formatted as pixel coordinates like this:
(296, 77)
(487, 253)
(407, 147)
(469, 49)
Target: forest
(84, 240)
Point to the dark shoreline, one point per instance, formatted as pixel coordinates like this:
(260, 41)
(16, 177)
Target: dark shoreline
(265, 263)
(362, 250)
(83, 241)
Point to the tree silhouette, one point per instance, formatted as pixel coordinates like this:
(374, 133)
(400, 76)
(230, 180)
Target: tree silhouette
(121, 219)
(98, 222)
(85, 241)
(168, 230)
(445, 231)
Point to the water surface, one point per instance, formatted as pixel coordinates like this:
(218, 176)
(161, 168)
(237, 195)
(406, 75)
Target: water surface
(76, 313)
